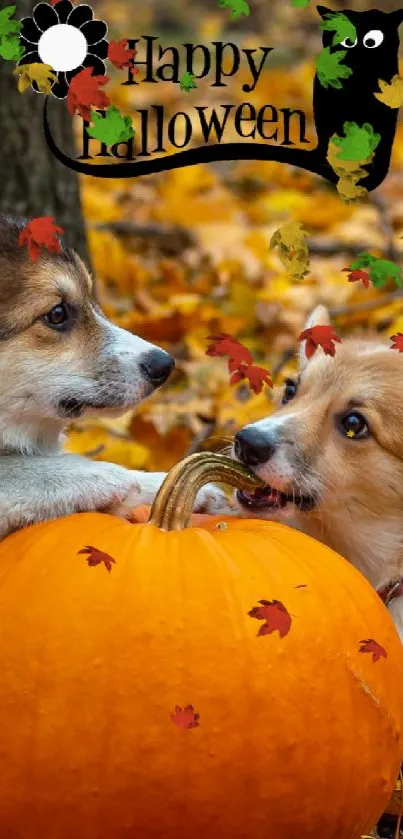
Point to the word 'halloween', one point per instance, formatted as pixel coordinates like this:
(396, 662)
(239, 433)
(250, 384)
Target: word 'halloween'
(155, 131)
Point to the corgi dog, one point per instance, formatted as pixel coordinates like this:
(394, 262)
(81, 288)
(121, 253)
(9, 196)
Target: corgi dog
(332, 458)
(60, 359)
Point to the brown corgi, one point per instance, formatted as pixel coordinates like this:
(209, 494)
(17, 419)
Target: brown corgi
(61, 358)
(332, 458)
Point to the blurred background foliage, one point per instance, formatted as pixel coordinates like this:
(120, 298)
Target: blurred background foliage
(185, 254)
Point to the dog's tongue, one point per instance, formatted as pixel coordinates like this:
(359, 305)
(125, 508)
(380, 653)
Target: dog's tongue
(266, 497)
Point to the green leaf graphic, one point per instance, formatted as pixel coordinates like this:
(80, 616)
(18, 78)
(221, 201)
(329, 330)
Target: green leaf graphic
(7, 26)
(329, 68)
(301, 4)
(380, 270)
(187, 82)
(111, 128)
(11, 49)
(358, 143)
(238, 7)
(341, 26)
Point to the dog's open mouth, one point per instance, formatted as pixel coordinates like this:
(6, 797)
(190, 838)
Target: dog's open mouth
(272, 499)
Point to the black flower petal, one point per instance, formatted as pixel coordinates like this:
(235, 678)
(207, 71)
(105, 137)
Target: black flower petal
(80, 14)
(96, 63)
(45, 16)
(100, 49)
(60, 89)
(30, 31)
(71, 73)
(30, 58)
(94, 31)
(28, 47)
(63, 9)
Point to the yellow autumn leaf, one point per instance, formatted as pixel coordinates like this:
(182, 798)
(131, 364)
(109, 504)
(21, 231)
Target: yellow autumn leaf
(391, 93)
(98, 443)
(290, 239)
(42, 74)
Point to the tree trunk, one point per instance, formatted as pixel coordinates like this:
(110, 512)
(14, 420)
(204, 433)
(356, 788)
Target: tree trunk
(32, 182)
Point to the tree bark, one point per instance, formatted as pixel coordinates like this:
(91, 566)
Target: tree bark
(32, 182)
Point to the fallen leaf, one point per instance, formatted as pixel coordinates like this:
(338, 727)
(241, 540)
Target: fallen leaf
(397, 342)
(275, 617)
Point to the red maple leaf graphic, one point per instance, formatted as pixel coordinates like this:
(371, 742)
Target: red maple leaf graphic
(225, 346)
(85, 93)
(319, 336)
(256, 376)
(397, 342)
(185, 717)
(40, 233)
(357, 275)
(371, 646)
(97, 557)
(120, 55)
(275, 615)
(240, 362)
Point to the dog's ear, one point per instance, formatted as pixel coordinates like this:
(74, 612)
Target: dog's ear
(319, 317)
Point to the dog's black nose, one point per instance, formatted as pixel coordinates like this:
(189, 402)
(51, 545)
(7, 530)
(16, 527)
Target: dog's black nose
(157, 365)
(253, 446)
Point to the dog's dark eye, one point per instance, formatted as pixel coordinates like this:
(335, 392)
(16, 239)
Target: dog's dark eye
(58, 317)
(289, 391)
(354, 425)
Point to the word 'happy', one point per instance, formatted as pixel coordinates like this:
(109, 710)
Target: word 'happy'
(222, 61)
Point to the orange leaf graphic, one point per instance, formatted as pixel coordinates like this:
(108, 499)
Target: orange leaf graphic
(185, 717)
(97, 557)
(275, 617)
(371, 646)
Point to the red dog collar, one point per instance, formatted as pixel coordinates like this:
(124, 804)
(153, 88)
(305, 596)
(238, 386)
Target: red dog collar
(391, 591)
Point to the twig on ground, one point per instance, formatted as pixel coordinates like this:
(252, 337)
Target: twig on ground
(366, 305)
(173, 240)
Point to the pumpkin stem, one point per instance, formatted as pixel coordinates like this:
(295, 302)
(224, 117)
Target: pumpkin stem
(175, 500)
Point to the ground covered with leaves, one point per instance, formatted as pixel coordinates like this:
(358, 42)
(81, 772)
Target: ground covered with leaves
(188, 254)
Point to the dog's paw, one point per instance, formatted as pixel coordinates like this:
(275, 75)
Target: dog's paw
(143, 489)
(212, 500)
(123, 506)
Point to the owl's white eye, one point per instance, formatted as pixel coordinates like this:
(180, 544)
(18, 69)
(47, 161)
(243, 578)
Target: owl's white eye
(373, 39)
(348, 42)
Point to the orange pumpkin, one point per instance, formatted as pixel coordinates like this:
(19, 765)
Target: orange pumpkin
(233, 682)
